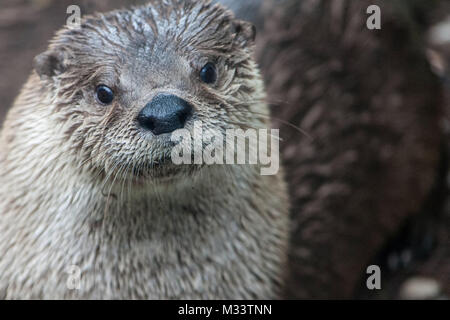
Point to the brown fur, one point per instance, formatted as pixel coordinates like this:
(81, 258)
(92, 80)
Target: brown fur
(81, 185)
(372, 107)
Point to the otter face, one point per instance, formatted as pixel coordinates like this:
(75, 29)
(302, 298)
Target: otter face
(125, 80)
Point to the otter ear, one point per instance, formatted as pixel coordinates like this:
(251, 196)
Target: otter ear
(49, 64)
(244, 32)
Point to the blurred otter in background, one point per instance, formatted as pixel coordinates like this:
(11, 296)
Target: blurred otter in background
(372, 175)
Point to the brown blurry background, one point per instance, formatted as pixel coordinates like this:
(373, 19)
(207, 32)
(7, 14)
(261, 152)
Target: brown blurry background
(26, 26)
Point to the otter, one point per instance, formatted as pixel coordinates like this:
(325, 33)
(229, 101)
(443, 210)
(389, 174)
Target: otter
(91, 205)
(375, 160)
(376, 122)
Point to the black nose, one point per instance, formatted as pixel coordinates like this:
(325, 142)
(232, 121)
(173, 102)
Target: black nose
(164, 114)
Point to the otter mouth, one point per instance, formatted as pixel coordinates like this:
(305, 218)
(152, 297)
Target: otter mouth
(153, 166)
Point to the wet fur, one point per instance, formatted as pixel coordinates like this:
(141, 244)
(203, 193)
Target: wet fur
(373, 109)
(81, 184)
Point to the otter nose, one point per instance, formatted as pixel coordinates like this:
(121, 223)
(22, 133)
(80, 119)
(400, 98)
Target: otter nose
(164, 114)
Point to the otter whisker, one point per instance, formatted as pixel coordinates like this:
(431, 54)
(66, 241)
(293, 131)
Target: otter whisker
(297, 128)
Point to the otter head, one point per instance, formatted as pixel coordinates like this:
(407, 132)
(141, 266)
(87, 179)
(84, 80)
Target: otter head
(123, 81)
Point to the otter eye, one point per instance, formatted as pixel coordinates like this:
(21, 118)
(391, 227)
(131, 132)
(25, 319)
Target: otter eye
(208, 74)
(104, 94)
